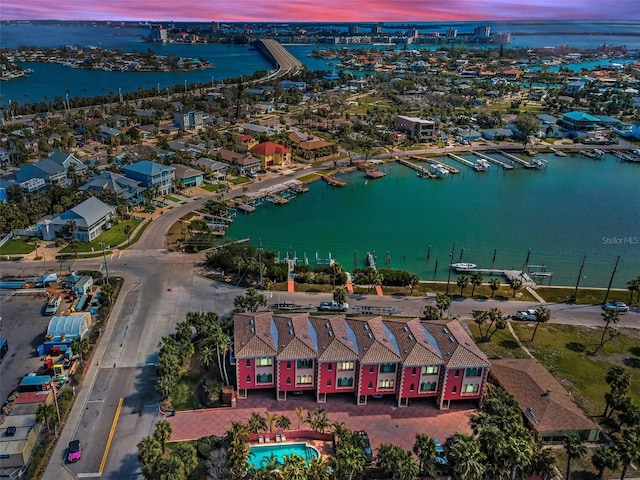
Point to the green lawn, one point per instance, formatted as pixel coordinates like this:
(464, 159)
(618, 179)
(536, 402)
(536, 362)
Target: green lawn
(238, 180)
(588, 296)
(210, 187)
(20, 246)
(184, 396)
(308, 178)
(568, 353)
(172, 199)
(504, 293)
(111, 238)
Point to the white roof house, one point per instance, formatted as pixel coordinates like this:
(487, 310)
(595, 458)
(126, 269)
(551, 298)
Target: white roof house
(91, 217)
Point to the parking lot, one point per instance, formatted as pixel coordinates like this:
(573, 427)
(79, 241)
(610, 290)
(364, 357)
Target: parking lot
(24, 326)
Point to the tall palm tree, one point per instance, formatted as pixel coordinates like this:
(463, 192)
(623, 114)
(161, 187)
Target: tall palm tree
(608, 316)
(629, 449)
(319, 469)
(283, 422)
(80, 346)
(520, 451)
(162, 433)
(543, 315)
(349, 460)
(633, 285)
(442, 303)
(128, 230)
(294, 467)
(462, 282)
(606, 457)
(257, 423)
(149, 455)
(46, 413)
(476, 281)
(575, 448)
(494, 285)
(515, 283)
(479, 318)
(465, 457)
(425, 450)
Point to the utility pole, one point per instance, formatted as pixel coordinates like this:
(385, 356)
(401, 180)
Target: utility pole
(615, 268)
(104, 256)
(453, 251)
(260, 261)
(575, 292)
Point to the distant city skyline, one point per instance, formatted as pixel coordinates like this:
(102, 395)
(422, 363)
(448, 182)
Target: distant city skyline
(327, 11)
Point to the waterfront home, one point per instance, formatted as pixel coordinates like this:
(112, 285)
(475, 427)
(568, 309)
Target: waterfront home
(405, 359)
(577, 121)
(497, 134)
(109, 183)
(271, 154)
(415, 127)
(190, 177)
(152, 175)
(189, 119)
(548, 409)
(90, 217)
(213, 169)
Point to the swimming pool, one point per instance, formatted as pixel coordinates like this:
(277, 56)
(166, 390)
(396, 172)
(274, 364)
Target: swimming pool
(260, 454)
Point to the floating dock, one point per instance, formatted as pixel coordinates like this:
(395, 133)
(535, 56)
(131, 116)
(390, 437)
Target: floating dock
(463, 161)
(514, 158)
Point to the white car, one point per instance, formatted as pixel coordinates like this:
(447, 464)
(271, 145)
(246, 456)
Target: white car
(529, 314)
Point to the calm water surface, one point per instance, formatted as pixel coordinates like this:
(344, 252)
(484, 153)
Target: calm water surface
(575, 206)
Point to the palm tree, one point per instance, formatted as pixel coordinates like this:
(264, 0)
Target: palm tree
(162, 433)
(575, 448)
(515, 283)
(300, 417)
(319, 469)
(46, 413)
(206, 355)
(543, 315)
(633, 286)
(479, 318)
(605, 457)
(81, 346)
(283, 422)
(543, 462)
(318, 420)
(425, 450)
(442, 303)
(476, 281)
(271, 419)
(294, 467)
(128, 229)
(238, 455)
(187, 455)
(520, 451)
(340, 295)
(406, 468)
(463, 282)
(349, 460)
(494, 285)
(465, 457)
(149, 455)
(608, 316)
(35, 241)
(414, 281)
(629, 449)
(257, 423)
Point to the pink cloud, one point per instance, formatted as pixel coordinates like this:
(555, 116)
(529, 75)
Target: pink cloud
(328, 10)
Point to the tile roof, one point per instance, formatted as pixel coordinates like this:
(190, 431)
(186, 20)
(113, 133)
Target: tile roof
(269, 148)
(543, 400)
(455, 345)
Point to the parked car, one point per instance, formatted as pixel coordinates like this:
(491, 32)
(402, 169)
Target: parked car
(617, 306)
(441, 457)
(333, 307)
(74, 453)
(529, 314)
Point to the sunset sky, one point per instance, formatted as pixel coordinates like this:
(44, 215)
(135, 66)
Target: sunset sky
(322, 11)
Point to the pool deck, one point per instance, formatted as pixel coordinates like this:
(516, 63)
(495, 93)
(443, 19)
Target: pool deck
(383, 422)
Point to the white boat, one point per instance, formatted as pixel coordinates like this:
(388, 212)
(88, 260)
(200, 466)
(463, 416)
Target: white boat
(485, 164)
(438, 169)
(598, 152)
(463, 267)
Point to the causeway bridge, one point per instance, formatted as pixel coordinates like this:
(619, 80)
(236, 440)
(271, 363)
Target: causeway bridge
(282, 60)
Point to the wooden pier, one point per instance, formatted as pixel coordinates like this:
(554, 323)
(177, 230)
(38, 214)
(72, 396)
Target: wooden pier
(514, 158)
(506, 166)
(333, 181)
(463, 161)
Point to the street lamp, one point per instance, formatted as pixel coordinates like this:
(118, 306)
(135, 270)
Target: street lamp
(104, 256)
(55, 398)
(453, 251)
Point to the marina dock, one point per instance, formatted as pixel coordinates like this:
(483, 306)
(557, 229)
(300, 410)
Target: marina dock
(333, 181)
(463, 161)
(506, 166)
(514, 158)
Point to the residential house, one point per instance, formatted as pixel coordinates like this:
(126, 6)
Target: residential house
(214, 169)
(253, 129)
(190, 177)
(497, 134)
(403, 359)
(415, 127)
(43, 173)
(511, 74)
(271, 153)
(91, 217)
(577, 121)
(109, 183)
(189, 119)
(152, 175)
(107, 134)
(244, 143)
(548, 409)
(291, 85)
(69, 161)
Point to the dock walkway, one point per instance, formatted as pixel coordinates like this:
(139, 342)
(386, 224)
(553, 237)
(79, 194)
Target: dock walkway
(506, 166)
(519, 160)
(463, 161)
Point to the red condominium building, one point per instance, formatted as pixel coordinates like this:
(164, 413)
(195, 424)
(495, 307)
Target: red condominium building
(406, 358)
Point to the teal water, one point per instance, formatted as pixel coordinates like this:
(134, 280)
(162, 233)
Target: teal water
(260, 454)
(575, 206)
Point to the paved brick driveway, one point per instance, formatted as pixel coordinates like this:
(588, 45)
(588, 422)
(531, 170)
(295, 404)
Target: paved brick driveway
(384, 422)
